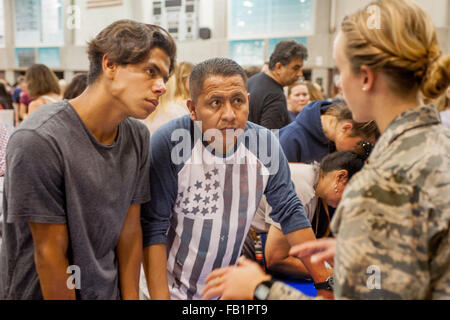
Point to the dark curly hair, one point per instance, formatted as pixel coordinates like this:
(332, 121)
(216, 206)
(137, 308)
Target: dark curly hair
(287, 50)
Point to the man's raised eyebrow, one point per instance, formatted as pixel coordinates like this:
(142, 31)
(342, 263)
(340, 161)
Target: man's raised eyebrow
(238, 94)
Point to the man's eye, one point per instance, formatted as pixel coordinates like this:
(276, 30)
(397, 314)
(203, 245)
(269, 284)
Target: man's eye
(151, 72)
(238, 100)
(215, 103)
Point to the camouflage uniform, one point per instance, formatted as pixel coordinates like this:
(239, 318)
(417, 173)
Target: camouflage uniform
(393, 220)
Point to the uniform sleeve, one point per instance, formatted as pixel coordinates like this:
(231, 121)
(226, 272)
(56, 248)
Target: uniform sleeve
(142, 192)
(271, 116)
(34, 183)
(155, 214)
(441, 290)
(280, 193)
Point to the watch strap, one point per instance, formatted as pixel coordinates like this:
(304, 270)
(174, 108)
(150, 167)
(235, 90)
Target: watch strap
(268, 284)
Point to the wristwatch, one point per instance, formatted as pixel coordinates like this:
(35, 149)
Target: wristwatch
(262, 290)
(326, 285)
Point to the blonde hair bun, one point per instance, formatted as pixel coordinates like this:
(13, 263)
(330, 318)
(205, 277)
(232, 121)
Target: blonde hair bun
(437, 77)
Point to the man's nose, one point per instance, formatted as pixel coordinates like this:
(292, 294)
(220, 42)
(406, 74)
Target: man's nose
(228, 113)
(159, 87)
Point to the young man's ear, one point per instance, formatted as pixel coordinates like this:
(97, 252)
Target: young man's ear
(191, 106)
(109, 67)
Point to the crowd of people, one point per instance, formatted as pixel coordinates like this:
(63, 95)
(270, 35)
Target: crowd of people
(155, 179)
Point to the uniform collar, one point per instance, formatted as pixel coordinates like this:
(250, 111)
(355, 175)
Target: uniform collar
(420, 116)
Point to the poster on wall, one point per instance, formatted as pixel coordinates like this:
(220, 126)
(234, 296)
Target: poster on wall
(252, 19)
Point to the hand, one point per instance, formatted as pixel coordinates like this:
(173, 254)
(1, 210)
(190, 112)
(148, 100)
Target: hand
(320, 250)
(234, 282)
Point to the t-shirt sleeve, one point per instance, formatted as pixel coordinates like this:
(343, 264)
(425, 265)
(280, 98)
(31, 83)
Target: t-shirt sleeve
(142, 191)
(155, 214)
(271, 116)
(287, 209)
(34, 183)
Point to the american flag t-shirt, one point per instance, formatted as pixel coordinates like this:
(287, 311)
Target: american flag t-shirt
(215, 204)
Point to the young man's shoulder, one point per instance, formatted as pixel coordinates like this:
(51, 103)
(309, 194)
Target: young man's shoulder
(48, 121)
(45, 115)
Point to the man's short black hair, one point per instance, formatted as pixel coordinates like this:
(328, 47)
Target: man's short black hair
(213, 67)
(287, 50)
(128, 42)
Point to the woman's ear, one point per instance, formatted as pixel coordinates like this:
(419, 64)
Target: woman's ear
(368, 77)
(347, 127)
(191, 106)
(342, 176)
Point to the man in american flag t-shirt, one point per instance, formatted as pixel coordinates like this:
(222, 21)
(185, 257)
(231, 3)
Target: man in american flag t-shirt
(208, 172)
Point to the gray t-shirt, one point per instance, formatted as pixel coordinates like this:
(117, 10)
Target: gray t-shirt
(58, 173)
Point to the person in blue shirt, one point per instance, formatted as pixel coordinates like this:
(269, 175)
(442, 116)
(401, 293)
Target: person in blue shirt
(322, 128)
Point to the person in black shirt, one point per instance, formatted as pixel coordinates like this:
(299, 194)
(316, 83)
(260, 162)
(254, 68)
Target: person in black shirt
(268, 106)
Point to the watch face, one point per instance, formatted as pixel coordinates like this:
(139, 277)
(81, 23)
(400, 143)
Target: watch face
(262, 292)
(330, 281)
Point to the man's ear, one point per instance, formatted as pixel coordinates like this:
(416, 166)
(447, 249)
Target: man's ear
(248, 97)
(278, 66)
(109, 67)
(191, 106)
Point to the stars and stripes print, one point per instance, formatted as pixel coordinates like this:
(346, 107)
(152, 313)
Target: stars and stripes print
(212, 214)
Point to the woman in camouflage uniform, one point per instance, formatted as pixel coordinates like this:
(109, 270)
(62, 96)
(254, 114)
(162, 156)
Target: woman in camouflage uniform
(392, 225)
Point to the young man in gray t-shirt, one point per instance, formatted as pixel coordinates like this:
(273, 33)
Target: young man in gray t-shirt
(77, 173)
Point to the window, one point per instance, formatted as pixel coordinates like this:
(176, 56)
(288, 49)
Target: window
(252, 19)
(50, 56)
(39, 22)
